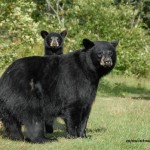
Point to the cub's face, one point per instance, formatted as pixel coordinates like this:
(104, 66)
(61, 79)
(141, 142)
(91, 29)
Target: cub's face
(103, 53)
(54, 40)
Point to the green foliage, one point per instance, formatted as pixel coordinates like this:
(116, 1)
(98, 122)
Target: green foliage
(108, 23)
(18, 31)
(21, 22)
(141, 8)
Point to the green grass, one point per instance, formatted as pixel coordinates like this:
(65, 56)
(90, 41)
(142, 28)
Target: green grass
(115, 118)
(122, 86)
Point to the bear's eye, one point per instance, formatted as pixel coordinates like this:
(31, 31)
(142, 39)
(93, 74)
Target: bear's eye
(100, 54)
(110, 53)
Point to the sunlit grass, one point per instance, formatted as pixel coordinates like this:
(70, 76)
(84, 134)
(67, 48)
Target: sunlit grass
(113, 85)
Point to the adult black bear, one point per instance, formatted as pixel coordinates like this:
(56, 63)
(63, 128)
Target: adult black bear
(53, 42)
(67, 88)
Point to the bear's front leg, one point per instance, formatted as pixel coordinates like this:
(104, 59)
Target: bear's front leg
(73, 117)
(71, 121)
(84, 119)
(76, 119)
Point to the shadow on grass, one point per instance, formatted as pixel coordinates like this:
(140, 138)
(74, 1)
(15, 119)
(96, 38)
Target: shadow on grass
(96, 130)
(59, 132)
(120, 89)
(142, 97)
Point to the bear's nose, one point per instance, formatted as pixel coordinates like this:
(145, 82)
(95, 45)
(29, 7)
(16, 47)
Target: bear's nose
(54, 44)
(108, 62)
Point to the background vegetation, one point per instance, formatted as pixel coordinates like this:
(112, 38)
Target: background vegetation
(127, 20)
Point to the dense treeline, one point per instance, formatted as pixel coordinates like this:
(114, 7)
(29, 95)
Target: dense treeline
(127, 20)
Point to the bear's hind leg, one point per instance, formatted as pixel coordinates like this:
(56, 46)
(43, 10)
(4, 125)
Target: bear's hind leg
(49, 128)
(49, 125)
(13, 129)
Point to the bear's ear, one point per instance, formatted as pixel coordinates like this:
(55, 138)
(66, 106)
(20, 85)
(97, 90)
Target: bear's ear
(115, 43)
(44, 34)
(63, 33)
(87, 43)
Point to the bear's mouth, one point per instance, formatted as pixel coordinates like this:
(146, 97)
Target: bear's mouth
(54, 44)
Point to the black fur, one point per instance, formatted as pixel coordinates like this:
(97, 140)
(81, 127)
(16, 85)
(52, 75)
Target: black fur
(67, 83)
(56, 40)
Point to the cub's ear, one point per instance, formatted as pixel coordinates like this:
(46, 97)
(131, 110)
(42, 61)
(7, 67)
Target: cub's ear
(87, 43)
(115, 43)
(44, 34)
(63, 33)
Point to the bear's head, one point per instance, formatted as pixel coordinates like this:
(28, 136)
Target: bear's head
(53, 39)
(102, 53)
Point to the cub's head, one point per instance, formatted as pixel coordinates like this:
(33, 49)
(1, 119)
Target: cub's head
(103, 54)
(53, 39)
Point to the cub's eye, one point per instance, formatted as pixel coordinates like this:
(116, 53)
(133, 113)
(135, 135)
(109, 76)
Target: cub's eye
(100, 54)
(110, 53)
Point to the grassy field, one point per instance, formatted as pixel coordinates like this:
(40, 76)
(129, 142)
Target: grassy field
(120, 112)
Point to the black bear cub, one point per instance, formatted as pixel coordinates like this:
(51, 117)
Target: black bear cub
(67, 84)
(53, 42)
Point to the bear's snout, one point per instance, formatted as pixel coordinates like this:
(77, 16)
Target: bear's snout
(106, 62)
